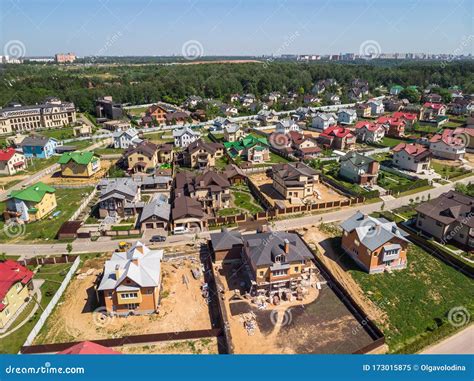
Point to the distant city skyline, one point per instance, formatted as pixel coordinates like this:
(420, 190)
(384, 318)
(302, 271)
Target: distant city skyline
(235, 28)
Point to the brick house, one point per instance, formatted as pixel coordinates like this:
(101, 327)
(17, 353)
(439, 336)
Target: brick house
(131, 281)
(376, 245)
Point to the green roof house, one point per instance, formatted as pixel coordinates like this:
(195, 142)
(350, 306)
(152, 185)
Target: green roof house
(32, 203)
(395, 90)
(79, 164)
(251, 148)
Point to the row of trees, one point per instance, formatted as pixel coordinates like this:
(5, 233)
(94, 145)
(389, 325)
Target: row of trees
(138, 84)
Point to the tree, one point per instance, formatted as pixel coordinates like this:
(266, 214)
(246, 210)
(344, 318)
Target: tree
(411, 94)
(69, 248)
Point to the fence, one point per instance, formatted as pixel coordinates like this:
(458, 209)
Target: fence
(47, 311)
(126, 340)
(122, 233)
(84, 204)
(37, 261)
(449, 259)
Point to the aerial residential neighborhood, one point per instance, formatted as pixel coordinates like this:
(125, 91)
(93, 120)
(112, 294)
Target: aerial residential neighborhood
(258, 204)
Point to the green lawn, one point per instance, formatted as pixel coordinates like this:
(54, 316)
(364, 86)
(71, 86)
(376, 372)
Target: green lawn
(389, 180)
(228, 212)
(447, 171)
(276, 159)
(137, 111)
(68, 201)
(390, 142)
(245, 200)
(59, 134)
(53, 275)
(35, 165)
(221, 162)
(80, 144)
(108, 151)
(157, 137)
(417, 300)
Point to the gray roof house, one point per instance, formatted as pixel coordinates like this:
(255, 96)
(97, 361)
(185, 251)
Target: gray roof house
(118, 197)
(131, 281)
(126, 138)
(156, 214)
(185, 136)
(375, 244)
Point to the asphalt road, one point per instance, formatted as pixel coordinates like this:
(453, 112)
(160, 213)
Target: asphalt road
(460, 343)
(82, 246)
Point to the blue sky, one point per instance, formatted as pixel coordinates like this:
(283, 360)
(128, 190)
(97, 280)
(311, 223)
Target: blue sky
(237, 27)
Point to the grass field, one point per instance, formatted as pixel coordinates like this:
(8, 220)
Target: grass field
(390, 142)
(447, 171)
(59, 134)
(389, 180)
(68, 201)
(417, 300)
(53, 276)
(244, 200)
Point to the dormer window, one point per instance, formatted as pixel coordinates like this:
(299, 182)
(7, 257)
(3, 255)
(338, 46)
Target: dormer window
(279, 258)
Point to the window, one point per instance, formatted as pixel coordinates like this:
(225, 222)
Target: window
(261, 273)
(7, 312)
(132, 306)
(356, 242)
(129, 295)
(297, 269)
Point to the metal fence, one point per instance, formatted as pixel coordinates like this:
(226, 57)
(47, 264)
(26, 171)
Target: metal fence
(47, 311)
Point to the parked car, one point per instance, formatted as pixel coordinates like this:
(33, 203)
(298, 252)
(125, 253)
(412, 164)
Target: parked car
(180, 230)
(158, 238)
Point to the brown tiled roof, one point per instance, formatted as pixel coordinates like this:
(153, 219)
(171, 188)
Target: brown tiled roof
(145, 148)
(185, 206)
(201, 144)
(448, 208)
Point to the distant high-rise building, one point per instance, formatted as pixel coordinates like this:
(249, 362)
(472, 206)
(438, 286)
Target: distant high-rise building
(65, 57)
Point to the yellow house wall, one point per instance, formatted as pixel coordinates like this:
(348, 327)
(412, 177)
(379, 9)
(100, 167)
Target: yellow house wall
(15, 298)
(72, 169)
(134, 158)
(45, 206)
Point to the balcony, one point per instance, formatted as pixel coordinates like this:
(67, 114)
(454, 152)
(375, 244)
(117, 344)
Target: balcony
(391, 252)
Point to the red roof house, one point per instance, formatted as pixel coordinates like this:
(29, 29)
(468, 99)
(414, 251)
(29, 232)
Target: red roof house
(11, 273)
(337, 137)
(88, 348)
(395, 127)
(11, 161)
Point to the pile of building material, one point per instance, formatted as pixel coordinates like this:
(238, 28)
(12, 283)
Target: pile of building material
(249, 321)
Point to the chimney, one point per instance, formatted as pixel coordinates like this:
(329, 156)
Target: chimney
(286, 246)
(118, 272)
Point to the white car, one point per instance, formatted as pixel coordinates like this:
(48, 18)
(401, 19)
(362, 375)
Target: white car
(180, 230)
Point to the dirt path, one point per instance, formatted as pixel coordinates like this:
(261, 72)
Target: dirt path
(331, 259)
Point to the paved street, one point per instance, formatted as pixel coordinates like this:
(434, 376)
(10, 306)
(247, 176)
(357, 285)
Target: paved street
(81, 246)
(460, 343)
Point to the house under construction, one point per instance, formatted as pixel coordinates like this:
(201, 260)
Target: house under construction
(277, 263)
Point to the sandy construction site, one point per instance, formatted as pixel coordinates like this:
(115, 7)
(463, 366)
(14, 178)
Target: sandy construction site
(182, 308)
(320, 323)
(265, 184)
